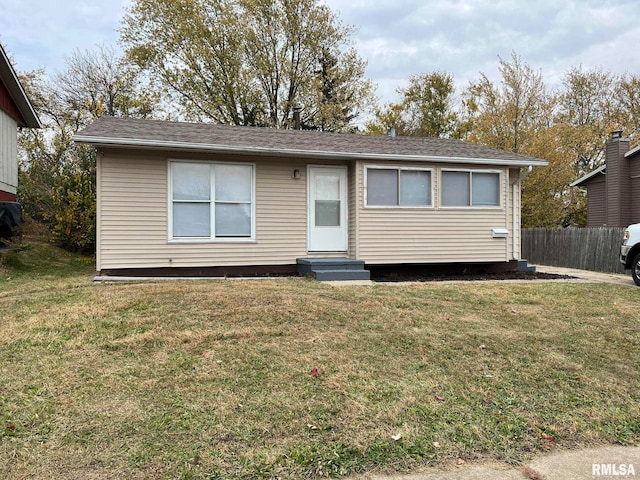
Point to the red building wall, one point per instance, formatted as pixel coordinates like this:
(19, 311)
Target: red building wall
(7, 197)
(7, 104)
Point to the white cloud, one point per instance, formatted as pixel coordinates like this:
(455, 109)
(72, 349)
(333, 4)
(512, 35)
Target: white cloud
(465, 37)
(40, 33)
(462, 37)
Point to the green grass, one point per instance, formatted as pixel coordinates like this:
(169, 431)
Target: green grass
(213, 380)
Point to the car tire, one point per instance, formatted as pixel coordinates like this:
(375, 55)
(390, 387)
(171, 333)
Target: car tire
(635, 269)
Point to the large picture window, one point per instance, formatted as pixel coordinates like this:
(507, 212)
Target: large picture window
(470, 189)
(397, 187)
(212, 200)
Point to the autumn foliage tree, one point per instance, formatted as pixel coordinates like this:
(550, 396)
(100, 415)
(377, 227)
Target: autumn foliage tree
(250, 62)
(57, 176)
(519, 113)
(427, 108)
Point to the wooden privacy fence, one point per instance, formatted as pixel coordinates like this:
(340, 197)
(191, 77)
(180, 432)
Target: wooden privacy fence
(596, 249)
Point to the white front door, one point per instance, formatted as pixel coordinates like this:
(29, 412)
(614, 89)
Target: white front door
(327, 209)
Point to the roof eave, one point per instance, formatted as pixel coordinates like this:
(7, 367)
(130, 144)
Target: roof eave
(588, 176)
(17, 93)
(313, 154)
(632, 152)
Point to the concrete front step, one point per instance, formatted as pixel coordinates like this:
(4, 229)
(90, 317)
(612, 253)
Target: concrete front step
(342, 274)
(330, 269)
(308, 265)
(523, 266)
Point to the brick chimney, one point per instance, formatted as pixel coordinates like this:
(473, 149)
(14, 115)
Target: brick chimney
(618, 180)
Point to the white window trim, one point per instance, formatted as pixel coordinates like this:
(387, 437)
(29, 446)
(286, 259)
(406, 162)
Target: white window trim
(472, 207)
(431, 205)
(212, 238)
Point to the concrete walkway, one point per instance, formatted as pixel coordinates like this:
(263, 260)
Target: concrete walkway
(589, 276)
(579, 276)
(609, 462)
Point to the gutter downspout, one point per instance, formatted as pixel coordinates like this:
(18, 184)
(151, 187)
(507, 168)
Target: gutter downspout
(513, 197)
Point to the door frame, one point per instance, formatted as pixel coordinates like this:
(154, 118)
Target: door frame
(344, 207)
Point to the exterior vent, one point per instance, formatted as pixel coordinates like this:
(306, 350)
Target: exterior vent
(500, 233)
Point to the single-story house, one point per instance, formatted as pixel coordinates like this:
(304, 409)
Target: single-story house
(205, 199)
(15, 111)
(613, 189)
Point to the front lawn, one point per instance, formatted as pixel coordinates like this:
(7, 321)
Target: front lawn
(290, 378)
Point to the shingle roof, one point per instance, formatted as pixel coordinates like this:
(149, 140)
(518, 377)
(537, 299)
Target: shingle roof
(206, 137)
(582, 180)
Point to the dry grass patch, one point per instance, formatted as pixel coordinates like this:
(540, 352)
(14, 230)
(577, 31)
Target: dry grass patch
(214, 379)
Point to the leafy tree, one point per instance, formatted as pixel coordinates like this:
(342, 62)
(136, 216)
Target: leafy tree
(507, 116)
(97, 83)
(337, 99)
(429, 104)
(588, 114)
(57, 177)
(248, 62)
(426, 108)
(520, 116)
(628, 102)
(547, 200)
(391, 116)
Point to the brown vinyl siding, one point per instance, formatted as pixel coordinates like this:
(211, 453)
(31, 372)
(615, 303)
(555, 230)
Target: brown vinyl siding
(635, 188)
(618, 184)
(431, 234)
(597, 202)
(8, 153)
(635, 200)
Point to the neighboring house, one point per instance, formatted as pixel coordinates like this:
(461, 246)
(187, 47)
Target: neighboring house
(15, 111)
(196, 199)
(613, 190)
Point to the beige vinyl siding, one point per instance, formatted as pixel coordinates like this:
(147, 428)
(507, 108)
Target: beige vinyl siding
(99, 211)
(8, 153)
(135, 209)
(353, 209)
(514, 244)
(432, 235)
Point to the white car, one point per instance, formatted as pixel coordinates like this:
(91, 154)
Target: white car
(630, 251)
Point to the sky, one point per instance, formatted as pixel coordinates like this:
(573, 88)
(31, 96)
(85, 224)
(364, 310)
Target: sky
(398, 38)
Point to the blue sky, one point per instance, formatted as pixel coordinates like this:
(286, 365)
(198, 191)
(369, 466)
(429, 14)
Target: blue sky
(462, 37)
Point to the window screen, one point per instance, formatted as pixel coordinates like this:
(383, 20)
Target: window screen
(398, 187)
(415, 188)
(455, 189)
(382, 187)
(486, 189)
(475, 189)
